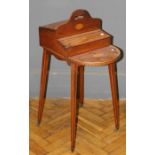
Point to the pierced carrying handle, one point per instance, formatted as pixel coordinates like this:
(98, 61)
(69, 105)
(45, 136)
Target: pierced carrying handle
(80, 21)
(79, 15)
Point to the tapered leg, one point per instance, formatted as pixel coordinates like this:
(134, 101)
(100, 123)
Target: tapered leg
(74, 71)
(80, 85)
(114, 92)
(43, 82)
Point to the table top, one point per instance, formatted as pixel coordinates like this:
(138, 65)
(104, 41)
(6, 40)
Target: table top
(98, 57)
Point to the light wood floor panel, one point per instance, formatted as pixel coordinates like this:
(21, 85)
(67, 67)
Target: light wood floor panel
(96, 134)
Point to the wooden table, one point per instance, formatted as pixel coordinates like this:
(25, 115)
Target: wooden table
(80, 41)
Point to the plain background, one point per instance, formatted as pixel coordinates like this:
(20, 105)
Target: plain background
(113, 15)
(14, 79)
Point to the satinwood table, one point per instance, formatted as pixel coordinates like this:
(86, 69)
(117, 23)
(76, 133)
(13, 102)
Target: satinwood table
(80, 41)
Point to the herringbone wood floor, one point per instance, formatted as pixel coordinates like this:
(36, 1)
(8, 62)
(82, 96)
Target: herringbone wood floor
(95, 132)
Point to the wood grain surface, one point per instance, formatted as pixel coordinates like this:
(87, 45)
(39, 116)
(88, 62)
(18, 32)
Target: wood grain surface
(83, 38)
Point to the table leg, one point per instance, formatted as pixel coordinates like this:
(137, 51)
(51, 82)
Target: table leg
(80, 85)
(114, 92)
(43, 82)
(74, 71)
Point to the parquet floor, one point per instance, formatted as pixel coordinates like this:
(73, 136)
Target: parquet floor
(96, 134)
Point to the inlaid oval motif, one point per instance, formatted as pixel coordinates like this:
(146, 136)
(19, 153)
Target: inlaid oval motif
(79, 26)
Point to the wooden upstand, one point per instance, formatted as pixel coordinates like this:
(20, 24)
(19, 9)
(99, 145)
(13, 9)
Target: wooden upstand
(80, 41)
